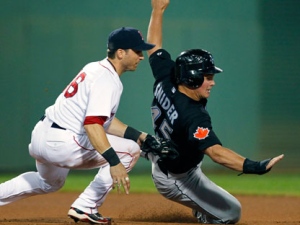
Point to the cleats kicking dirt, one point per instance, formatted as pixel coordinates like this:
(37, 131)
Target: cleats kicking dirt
(95, 218)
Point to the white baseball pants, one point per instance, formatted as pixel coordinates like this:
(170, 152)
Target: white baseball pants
(56, 152)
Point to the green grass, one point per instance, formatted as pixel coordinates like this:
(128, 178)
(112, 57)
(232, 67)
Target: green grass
(268, 184)
(285, 184)
(138, 183)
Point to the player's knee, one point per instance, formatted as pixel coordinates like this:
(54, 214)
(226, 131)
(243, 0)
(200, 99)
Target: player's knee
(132, 155)
(128, 153)
(236, 213)
(53, 186)
(134, 151)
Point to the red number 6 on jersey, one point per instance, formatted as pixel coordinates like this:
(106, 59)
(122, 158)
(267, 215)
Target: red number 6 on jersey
(73, 87)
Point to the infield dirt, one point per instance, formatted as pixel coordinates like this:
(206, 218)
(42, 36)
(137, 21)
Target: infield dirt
(145, 209)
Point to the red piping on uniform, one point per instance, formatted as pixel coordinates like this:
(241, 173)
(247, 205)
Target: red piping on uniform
(106, 68)
(82, 146)
(126, 153)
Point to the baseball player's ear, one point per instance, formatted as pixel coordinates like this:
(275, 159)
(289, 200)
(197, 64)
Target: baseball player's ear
(120, 53)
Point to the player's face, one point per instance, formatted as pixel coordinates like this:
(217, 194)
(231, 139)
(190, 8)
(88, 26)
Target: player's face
(204, 90)
(131, 59)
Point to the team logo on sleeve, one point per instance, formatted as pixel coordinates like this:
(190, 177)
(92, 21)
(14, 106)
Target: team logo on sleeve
(201, 133)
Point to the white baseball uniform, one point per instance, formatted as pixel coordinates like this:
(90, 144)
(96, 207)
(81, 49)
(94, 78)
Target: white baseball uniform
(59, 142)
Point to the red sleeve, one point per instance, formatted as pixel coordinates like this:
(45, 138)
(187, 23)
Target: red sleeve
(95, 119)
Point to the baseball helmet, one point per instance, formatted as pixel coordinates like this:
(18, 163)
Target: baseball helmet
(192, 65)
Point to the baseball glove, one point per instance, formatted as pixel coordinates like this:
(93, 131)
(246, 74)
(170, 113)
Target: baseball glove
(165, 149)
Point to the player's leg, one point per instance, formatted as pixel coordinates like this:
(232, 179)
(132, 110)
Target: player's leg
(213, 203)
(194, 190)
(95, 194)
(48, 179)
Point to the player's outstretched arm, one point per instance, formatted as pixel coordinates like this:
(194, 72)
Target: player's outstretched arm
(116, 127)
(225, 157)
(120, 129)
(232, 160)
(154, 35)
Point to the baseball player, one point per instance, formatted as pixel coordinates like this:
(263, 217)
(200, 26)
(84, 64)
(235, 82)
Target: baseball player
(181, 89)
(80, 131)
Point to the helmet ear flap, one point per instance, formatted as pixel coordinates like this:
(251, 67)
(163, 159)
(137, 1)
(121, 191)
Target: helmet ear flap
(193, 80)
(188, 77)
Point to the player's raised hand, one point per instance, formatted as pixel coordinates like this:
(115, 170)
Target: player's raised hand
(120, 178)
(160, 4)
(274, 160)
(154, 35)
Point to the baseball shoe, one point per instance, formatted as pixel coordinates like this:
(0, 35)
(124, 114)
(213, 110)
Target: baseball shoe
(95, 218)
(201, 217)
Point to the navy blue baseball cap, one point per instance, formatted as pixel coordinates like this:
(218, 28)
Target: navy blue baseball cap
(127, 38)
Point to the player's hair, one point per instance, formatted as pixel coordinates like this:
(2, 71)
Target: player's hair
(111, 53)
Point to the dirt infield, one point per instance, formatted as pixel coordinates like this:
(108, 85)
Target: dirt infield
(145, 209)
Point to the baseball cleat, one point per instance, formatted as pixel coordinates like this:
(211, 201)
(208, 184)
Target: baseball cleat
(201, 218)
(95, 218)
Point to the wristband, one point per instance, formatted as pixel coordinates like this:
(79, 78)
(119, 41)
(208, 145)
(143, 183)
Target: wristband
(111, 157)
(132, 134)
(253, 167)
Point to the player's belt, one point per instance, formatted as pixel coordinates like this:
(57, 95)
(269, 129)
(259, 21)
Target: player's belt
(54, 125)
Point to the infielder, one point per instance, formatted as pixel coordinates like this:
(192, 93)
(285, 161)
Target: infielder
(80, 131)
(179, 113)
